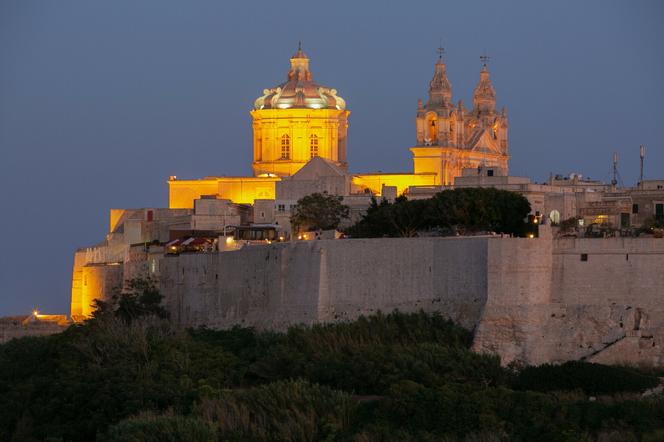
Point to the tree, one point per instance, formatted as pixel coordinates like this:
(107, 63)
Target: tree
(141, 298)
(569, 224)
(318, 211)
(464, 210)
(407, 217)
(375, 222)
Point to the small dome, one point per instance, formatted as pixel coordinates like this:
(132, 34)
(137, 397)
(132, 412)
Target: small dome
(300, 91)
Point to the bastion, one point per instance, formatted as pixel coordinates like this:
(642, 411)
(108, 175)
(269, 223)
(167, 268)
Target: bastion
(528, 300)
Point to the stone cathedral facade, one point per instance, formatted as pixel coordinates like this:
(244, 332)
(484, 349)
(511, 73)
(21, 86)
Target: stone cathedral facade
(300, 120)
(451, 138)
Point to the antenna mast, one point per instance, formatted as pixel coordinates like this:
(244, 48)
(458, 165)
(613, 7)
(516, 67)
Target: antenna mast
(614, 181)
(642, 154)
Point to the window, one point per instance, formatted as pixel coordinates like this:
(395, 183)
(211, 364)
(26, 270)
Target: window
(635, 208)
(431, 134)
(624, 220)
(659, 211)
(584, 257)
(489, 172)
(313, 146)
(281, 207)
(285, 147)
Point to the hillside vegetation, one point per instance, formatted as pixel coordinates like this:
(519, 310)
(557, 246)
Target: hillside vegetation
(128, 375)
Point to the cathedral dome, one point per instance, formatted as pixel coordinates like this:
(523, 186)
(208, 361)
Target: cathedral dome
(300, 91)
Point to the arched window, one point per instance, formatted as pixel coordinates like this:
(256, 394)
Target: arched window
(285, 147)
(433, 132)
(313, 146)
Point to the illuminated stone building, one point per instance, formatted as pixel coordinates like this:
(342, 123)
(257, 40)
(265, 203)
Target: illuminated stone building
(299, 120)
(292, 123)
(450, 138)
(299, 147)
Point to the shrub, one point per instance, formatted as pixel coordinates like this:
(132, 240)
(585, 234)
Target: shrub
(591, 378)
(149, 427)
(284, 410)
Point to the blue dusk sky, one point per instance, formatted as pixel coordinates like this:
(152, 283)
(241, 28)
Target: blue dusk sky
(100, 101)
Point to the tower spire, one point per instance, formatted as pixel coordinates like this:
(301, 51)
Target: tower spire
(484, 95)
(440, 89)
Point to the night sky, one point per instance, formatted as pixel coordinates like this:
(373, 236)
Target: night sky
(101, 101)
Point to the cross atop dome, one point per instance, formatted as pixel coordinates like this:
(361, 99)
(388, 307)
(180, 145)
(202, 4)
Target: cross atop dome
(299, 53)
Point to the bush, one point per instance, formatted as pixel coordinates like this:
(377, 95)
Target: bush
(138, 378)
(284, 410)
(148, 427)
(591, 378)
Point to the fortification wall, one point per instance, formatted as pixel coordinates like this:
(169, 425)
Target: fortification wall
(98, 281)
(12, 327)
(265, 286)
(603, 304)
(363, 276)
(529, 300)
(304, 282)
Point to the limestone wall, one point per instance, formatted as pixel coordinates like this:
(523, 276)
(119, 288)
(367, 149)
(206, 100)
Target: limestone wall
(530, 300)
(363, 276)
(97, 281)
(303, 282)
(263, 286)
(20, 326)
(617, 270)
(603, 304)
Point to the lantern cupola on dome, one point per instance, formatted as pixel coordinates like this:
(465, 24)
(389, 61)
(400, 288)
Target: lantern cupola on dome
(300, 91)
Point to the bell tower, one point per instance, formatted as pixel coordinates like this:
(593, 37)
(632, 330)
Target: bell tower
(449, 138)
(433, 119)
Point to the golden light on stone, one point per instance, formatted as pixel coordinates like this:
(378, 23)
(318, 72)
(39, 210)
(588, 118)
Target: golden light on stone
(300, 119)
(298, 109)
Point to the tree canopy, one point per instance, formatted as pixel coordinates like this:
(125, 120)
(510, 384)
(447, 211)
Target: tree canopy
(318, 211)
(464, 210)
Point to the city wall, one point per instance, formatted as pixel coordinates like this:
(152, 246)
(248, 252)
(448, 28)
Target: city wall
(604, 304)
(310, 281)
(529, 300)
(12, 327)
